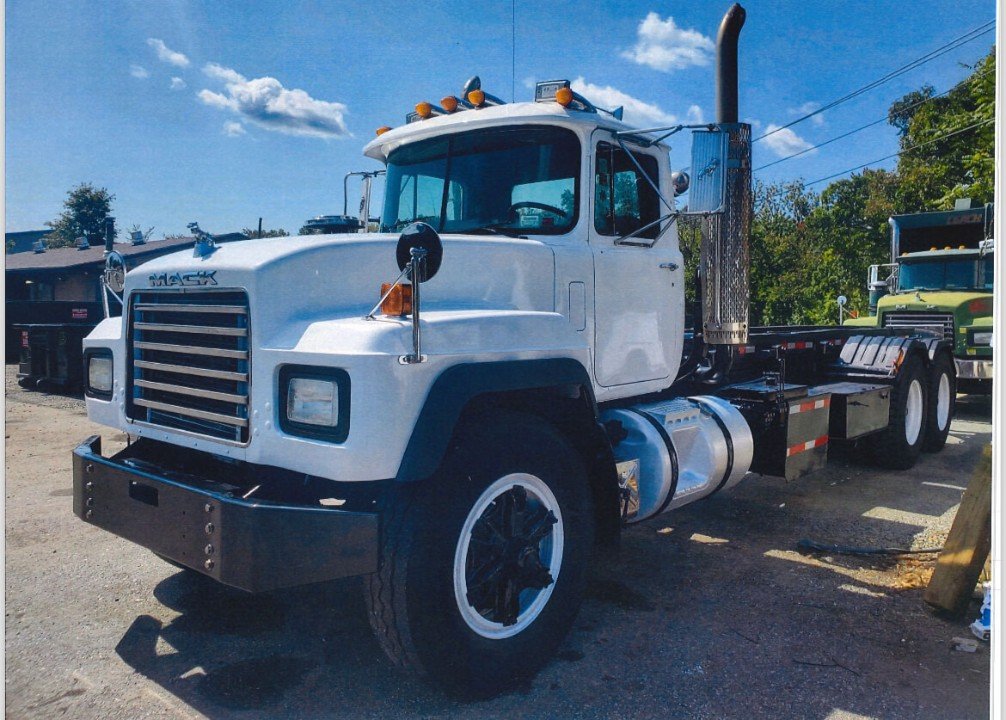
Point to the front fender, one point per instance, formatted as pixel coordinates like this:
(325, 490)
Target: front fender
(460, 384)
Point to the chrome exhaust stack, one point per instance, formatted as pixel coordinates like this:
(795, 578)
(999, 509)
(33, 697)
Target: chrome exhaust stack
(726, 152)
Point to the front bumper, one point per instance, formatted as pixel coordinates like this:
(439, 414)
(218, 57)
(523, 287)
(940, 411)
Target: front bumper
(974, 369)
(203, 524)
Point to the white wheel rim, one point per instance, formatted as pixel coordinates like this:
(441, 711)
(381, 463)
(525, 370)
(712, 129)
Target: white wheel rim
(943, 402)
(531, 600)
(913, 412)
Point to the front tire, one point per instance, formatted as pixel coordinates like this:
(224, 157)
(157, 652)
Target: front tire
(483, 566)
(898, 446)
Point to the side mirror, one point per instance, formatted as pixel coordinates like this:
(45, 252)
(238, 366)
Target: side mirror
(709, 167)
(680, 182)
(841, 300)
(420, 235)
(114, 275)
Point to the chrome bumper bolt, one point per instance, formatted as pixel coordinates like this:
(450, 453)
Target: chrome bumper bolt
(208, 549)
(209, 528)
(208, 564)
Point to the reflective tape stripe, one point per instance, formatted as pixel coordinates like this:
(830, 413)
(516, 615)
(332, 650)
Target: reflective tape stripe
(809, 445)
(812, 405)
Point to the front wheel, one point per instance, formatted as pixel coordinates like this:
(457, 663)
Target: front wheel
(483, 566)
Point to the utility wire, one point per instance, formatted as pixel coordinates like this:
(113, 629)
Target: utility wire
(868, 125)
(902, 152)
(932, 55)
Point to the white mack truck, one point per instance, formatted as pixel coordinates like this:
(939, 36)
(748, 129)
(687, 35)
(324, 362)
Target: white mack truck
(523, 389)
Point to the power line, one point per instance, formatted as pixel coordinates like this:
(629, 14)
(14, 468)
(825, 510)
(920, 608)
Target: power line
(868, 125)
(902, 152)
(932, 55)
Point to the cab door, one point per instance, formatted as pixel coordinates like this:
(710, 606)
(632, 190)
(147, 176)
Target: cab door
(639, 281)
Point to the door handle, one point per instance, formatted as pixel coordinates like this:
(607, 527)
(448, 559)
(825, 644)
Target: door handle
(669, 266)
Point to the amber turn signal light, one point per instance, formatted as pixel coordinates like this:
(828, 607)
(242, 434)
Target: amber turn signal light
(381, 130)
(398, 302)
(449, 103)
(564, 96)
(476, 98)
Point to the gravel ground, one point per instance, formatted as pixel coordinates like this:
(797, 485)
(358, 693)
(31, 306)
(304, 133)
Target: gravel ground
(709, 612)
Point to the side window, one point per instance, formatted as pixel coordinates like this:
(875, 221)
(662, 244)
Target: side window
(624, 201)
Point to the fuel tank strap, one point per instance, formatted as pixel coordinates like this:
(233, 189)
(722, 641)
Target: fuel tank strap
(727, 438)
(671, 452)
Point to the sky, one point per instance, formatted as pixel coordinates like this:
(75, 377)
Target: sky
(223, 112)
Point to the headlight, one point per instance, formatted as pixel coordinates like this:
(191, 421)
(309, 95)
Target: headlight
(314, 402)
(98, 371)
(982, 338)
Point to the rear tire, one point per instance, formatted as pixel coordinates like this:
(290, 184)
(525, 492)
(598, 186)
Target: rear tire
(484, 565)
(942, 400)
(898, 446)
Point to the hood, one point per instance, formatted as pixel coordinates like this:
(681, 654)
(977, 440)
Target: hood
(952, 301)
(304, 278)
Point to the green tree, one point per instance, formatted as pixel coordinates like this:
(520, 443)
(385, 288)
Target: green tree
(84, 213)
(941, 163)
(253, 233)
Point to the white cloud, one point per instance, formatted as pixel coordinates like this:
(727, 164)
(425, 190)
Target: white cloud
(636, 111)
(219, 72)
(166, 54)
(664, 46)
(265, 102)
(138, 71)
(809, 107)
(694, 116)
(233, 129)
(177, 83)
(784, 142)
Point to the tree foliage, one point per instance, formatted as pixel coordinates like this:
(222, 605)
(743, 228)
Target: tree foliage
(253, 233)
(809, 248)
(940, 163)
(84, 213)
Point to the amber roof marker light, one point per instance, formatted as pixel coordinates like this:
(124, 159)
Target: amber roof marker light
(381, 130)
(477, 98)
(424, 109)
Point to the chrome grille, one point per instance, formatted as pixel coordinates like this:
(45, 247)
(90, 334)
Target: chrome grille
(190, 361)
(936, 322)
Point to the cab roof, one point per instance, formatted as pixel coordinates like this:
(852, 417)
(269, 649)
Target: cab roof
(955, 253)
(551, 113)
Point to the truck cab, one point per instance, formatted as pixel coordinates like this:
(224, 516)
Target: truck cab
(940, 280)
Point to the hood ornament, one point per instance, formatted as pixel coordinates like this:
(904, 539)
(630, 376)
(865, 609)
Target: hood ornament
(205, 244)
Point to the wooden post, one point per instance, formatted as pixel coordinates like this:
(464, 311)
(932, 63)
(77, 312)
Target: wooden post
(967, 545)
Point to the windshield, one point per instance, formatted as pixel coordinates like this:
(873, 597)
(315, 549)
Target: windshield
(961, 274)
(511, 180)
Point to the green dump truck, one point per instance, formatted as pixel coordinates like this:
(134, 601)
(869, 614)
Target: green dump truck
(940, 279)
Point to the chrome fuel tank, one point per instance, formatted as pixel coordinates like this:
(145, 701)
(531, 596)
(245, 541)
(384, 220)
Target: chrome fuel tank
(678, 451)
